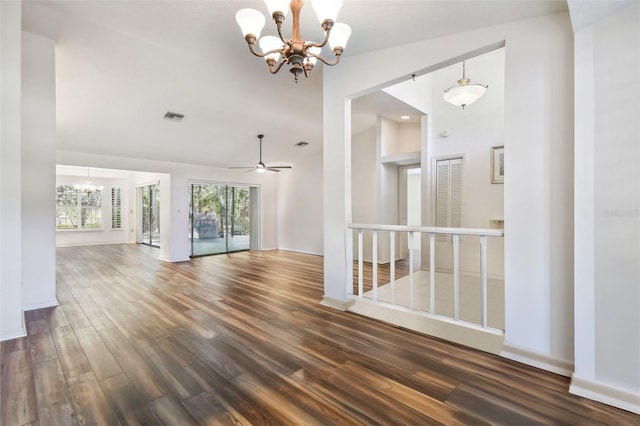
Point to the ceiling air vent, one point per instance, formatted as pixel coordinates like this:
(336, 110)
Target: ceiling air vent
(173, 116)
(302, 144)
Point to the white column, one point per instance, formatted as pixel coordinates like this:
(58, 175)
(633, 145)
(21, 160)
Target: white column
(38, 172)
(338, 245)
(11, 321)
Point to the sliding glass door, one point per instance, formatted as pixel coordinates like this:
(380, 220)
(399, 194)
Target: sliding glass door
(220, 219)
(150, 207)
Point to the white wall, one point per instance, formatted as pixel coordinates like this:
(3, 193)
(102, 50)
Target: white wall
(11, 320)
(607, 209)
(538, 207)
(398, 138)
(300, 199)
(415, 92)
(363, 181)
(38, 172)
(472, 133)
(538, 196)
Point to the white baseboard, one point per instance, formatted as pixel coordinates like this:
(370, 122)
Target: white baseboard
(545, 362)
(13, 334)
(97, 243)
(336, 304)
(42, 305)
(607, 394)
(313, 253)
(178, 259)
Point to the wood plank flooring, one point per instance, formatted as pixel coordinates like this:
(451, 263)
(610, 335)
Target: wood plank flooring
(242, 339)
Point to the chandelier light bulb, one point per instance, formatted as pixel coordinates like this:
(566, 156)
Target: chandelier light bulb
(274, 6)
(313, 59)
(327, 9)
(269, 43)
(251, 22)
(339, 36)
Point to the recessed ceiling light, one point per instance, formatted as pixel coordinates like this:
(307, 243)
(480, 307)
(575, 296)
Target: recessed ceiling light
(302, 144)
(405, 117)
(173, 116)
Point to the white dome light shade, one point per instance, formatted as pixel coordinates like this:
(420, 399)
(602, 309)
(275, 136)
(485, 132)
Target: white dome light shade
(268, 43)
(278, 6)
(464, 95)
(251, 21)
(327, 9)
(312, 59)
(339, 36)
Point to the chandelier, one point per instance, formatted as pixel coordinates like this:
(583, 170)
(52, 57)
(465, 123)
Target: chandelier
(464, 93)
(87, 187)
(299, 54)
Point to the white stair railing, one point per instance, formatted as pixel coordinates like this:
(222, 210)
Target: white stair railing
(432, 232)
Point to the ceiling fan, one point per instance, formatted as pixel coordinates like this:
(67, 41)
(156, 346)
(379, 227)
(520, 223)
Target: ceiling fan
(260, 167)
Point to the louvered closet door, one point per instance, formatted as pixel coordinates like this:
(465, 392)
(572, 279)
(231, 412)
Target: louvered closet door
(448, 195)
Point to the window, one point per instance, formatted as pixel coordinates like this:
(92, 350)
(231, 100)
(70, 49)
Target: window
(77, 209)
(116, 208)
(448, 195)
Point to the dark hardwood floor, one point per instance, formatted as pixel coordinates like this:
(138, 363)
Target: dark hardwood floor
(241, 339)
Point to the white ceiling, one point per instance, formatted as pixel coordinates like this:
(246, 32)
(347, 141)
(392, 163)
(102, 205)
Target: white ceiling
(120, 65)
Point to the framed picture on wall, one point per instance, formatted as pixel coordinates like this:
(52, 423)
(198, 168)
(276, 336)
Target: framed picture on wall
(497, 164)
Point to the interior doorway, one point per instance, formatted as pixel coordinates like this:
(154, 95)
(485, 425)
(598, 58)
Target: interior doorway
(409, 209)
(222, 218)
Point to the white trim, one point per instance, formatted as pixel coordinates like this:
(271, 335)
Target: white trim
(545, 362)
(42, 305)
(461, 332)
(311, 253)
(149, 183)
(607, 394)
(98, 243)
(16, 334)
(337, 304)
(428, 229)
(178, 259)
(240, 184)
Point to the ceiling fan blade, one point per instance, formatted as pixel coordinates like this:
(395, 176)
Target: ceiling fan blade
(244, 169)
(260, 166)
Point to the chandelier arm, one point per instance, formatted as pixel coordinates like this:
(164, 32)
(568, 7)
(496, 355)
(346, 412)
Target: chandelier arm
(284, 39)
(337, 52)
(251, 43)
(315, 44)
(274, 69)
(263, 54)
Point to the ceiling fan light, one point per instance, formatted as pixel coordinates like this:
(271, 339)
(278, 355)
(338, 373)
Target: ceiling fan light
(274, 6)
(339, 36)
(268, 43)
(250, 21)
(327, 9)
(464, 95)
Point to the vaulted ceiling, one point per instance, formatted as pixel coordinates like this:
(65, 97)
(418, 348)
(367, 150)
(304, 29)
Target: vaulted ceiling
(120, 65)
